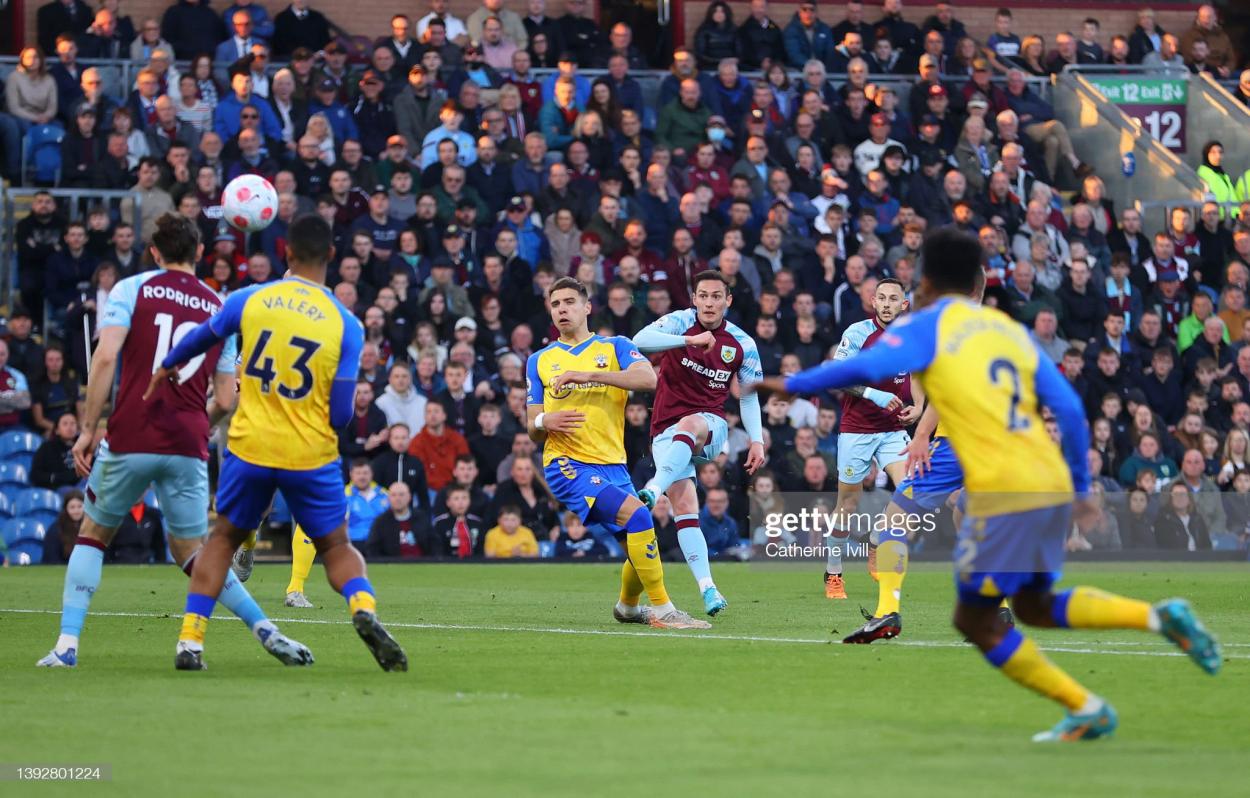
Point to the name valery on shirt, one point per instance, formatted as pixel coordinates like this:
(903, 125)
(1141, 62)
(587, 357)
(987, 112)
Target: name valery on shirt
(302, 307)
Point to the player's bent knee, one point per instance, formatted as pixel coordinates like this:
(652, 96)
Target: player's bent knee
(1033, 608)
(92, 531)
(695, 425)
(333, 540)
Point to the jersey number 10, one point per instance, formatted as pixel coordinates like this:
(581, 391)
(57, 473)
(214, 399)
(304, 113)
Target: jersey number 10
(167, 337)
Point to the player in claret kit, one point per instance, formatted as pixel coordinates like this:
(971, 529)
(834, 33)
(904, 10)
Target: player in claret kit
(163, 443)
(703, 353)
(874, 425)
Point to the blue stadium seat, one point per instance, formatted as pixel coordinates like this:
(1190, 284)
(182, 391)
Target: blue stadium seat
(18, 442)
(24, 459)
(39, 504)
(14, 476)
(6, 505)
(28, 552)
(16, 530)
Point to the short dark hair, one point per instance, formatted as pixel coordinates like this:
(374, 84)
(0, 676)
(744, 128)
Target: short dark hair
(177, 238)
(951, 260)
(572, 284)
(361, 461)
(891, 281)
(706, 275)
(310, 240)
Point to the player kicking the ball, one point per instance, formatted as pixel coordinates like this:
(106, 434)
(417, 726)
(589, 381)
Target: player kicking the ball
(702, 354)
(302, 349)
(162, 443)
(875, 418)
(577, 389)
(989, 381)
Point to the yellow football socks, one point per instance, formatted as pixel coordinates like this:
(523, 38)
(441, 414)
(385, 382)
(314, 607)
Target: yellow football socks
(631, 585)
(644, 553)
(891, 569)
(1090, 608)
(250, 542)
(303, 552)
(1023, 662)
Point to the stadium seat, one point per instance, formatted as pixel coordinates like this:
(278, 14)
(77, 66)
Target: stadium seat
(24, 459)
(14, 477)
(18, 442)
(39, 504)
(16, 530)
(28, 552)
(6, 505)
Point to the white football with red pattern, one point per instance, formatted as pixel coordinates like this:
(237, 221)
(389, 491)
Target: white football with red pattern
(249, 203)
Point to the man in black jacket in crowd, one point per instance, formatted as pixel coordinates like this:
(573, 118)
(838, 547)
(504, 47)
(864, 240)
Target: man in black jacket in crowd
(394, 464)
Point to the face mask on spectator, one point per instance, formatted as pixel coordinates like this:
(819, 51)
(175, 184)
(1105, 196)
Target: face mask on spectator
(716, 134)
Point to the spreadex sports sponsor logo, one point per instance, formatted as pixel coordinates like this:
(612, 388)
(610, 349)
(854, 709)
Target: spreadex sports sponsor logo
(720, 375)
(180, 298)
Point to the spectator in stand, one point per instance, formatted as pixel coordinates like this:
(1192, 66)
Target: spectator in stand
(437, 446)
(1162, 386)
(14, 392)
(717, 37)
(400, 402)
(30, 92)
(53, 464)
(761, 42)
(511, 538)
(1037, 120)
(366, 500)
(1179, 525)
(299, 26)
(190, 26)
(366, 433)
(399, 532)
(1220, 57)
(806, 37)
(60, 17)
(458, 532)
(394, 464)
(54, 392)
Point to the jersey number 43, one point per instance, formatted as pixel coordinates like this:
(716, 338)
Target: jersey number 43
(261, 366)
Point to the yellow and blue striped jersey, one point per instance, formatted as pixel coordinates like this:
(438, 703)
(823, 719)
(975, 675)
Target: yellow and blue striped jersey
(988, 381)
(297, 340)
(601, 439)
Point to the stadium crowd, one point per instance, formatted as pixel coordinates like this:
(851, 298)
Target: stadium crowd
(460, 186)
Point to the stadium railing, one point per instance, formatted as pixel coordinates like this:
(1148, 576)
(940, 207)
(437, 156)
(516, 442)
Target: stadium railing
(1215, 114)
(73, 203)
(119, 76)
(1100, 130)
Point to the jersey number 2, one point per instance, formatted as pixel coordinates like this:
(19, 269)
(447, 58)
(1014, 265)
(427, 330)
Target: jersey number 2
(167, 338)
(1003, 367)
(260, 366)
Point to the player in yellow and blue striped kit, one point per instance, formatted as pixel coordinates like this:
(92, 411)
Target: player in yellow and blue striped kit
(578, 386)
(301, 352)
(988, 382)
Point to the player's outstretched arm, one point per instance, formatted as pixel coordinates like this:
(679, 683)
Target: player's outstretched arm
(202, 338)
(99, 384)
(909, 345)
(655, 338)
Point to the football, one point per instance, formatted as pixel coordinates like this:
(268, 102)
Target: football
(249, 203)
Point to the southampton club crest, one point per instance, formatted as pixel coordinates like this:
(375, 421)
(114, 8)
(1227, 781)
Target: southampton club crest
(601, 361)
(727, 354)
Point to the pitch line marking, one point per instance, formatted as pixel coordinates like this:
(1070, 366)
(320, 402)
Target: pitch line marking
(1074, 647)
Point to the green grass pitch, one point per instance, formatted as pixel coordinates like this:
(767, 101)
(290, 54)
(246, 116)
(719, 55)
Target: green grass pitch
(521, 684)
